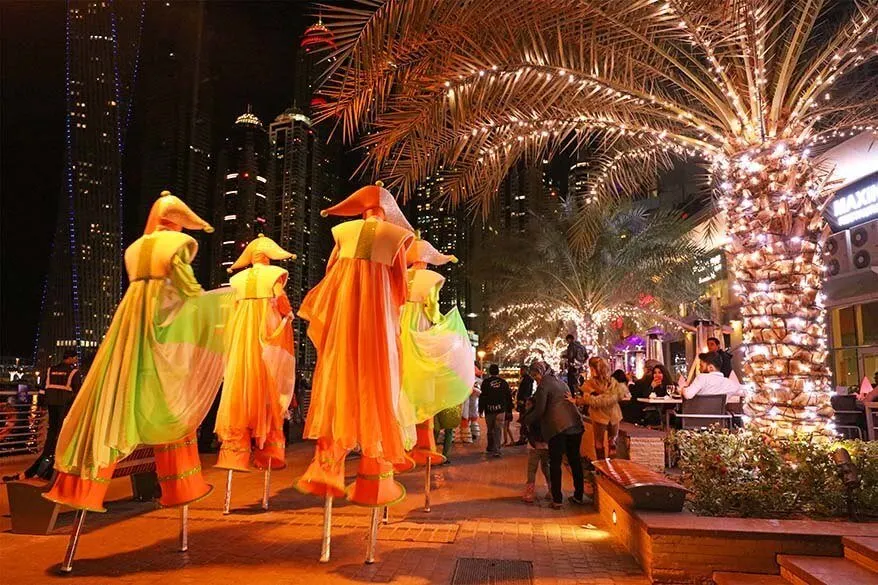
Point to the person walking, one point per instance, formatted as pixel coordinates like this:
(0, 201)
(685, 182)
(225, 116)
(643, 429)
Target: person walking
(537, 457)
(494, 402)
(575, 356)
(561, 427)
(525, 392)
(602, 393)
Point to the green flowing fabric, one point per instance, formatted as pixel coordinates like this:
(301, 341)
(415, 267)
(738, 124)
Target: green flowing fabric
(155, 374)
(437, 362)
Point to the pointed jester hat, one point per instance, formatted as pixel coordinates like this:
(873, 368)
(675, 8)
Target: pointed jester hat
(423, 251)
(170, 212)
(261, 247)
(370, 197)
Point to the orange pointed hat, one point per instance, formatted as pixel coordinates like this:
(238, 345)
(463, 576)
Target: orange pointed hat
(370, 197)
(423, 251)
(170, 211)
(261, 246)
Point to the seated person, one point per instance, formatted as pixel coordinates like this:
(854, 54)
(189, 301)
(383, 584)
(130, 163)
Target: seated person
(711, 380)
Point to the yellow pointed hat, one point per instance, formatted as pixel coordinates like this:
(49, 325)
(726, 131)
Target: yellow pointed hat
(170, 209)
(423, 251)
(370, 197)
(264, 246)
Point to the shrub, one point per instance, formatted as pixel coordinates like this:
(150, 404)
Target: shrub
(743, 474)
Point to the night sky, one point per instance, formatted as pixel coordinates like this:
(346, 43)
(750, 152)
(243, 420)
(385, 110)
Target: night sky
(253, 52)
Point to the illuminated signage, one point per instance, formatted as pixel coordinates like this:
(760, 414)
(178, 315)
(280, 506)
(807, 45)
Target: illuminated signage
(856, 203)
(711, 269)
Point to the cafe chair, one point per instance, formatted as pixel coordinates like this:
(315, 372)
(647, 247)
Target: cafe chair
(702, 412)
(849, 420)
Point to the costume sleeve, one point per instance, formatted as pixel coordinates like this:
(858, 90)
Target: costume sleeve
(536, 413)
(400, 269)
(182, 276)
(431, 304)
(283, 302)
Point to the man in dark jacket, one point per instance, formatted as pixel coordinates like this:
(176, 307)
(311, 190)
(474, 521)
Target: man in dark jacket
(63, 381)
(713, 345)
(525, 391)
(576, 356)
(561, 427)
(494, 402)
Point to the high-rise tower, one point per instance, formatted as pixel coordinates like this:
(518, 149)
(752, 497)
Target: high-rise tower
(85, 276)
(242, 209)
(172, 116)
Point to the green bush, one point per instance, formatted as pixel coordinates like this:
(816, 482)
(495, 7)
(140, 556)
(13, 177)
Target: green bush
(743, 474)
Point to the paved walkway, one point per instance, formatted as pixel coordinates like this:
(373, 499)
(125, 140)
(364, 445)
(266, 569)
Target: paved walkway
(136, 543)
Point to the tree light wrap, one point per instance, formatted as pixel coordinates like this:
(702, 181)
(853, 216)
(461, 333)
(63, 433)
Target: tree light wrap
(774, 196)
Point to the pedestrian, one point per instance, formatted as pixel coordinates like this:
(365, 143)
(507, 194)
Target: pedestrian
(602, 394)
(575, 355)
(446, 421)
(525, 392)
(537, 457)
(469, 430)
(494, 402)
(714, 346)
(561, 427)
(63, 381)
(508, 417)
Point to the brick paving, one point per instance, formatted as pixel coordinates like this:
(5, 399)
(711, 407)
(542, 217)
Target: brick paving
(136, 543)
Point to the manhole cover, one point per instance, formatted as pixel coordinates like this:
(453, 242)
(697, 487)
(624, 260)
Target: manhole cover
(419, 532)
(492, 572)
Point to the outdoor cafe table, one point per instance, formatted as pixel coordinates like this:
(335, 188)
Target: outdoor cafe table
(666, 405)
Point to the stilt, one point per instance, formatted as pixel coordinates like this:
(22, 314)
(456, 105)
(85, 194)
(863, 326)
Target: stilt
(427, 486)
(227, 502)
(267, 486)
(184, 528)
(386, 518)
(327, 529)
(78, 522)
(373, 537)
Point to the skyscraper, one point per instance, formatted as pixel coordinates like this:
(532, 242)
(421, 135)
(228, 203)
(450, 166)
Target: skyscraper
(241, 206)
(85, 276)
(172, 116)
(304, 179)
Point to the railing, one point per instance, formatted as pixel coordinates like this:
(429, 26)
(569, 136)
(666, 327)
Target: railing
(23, 422)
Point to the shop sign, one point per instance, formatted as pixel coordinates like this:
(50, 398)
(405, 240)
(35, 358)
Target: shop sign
(856, 203)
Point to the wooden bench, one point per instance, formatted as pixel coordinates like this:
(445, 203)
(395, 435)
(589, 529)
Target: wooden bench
(634, 486)
(32, 514)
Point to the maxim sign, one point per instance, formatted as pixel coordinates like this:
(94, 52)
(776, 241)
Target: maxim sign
(857, 202)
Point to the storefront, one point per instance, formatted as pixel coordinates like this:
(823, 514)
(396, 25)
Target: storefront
(852, 262)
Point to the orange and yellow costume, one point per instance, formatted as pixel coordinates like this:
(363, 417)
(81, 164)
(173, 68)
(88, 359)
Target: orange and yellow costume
(261, 366)
(353, 316)
(155, 374)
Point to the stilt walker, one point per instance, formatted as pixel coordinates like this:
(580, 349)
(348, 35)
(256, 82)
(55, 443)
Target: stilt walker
(353, 320)
(153, 379)
(437, 356)
(260, 367)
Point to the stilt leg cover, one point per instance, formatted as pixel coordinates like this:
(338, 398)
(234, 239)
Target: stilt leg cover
(404, 466)
(82, 494)
(425, 448)
(179, 469)
(272, 452)
(375, 485)
(235, 451)
(325, 475)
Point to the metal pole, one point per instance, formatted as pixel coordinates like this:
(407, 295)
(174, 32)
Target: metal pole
(184, 528)
(228, 500)
(78, 521)
(386, 519)
(327, 529)
(373, 537)
(427, 487)
(266, 487)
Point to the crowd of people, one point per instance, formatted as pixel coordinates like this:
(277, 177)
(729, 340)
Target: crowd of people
(553, 408)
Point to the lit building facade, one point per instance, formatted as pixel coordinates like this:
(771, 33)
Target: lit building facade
(242, 210)
(172, 116)
(84, 283)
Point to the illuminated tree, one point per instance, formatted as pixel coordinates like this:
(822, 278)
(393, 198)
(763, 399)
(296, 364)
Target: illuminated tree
(639, 266)
(755, 88)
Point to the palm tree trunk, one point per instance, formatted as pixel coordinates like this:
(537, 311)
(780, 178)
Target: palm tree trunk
(774, 199)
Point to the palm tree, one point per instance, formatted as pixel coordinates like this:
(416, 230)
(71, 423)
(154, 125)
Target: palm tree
(641, 266)
(755, 88)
